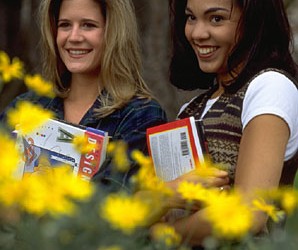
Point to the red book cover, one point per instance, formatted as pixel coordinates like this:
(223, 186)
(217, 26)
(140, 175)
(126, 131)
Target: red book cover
(91, 162)
(175, 148)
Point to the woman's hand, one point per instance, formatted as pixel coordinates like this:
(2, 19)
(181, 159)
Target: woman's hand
(214, 179)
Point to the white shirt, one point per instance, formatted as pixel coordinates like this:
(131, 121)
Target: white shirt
(273, 93)
(270, 93)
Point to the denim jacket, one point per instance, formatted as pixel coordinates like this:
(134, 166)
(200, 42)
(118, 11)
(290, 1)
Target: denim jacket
(128, 123)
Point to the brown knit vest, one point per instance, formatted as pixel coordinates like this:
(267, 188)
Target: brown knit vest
(223, 129)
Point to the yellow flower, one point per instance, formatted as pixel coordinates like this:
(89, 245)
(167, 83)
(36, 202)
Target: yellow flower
(289, 200)
(63, 179)
(39, 198)
(53, 191)
(261, 205)
(82, 144)
(27, 117)
(111, 248)
(48, 190)
(166, 234)
(118, 151)
(10, 70)
(145, 179)
(140, 158)
(191, 191)
(9, 156)
(228, 205)
(11, 192)
(124, 212)
(111, 147)
(39, 85)
(285, 197)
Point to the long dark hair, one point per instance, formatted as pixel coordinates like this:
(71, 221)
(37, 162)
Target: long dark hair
(264, 41)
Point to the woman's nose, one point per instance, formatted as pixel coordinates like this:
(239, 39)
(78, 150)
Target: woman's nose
(200, 31)
(76, 34)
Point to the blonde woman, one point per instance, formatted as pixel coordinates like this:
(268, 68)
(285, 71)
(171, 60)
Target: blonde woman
(91, 54)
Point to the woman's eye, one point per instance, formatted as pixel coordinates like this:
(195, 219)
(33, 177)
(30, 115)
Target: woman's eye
(63, 25)
(216, 19)
(88, 25)
(190, 17)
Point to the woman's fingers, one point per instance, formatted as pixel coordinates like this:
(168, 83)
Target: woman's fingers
(219, 182)
(215, 172)
(219, 179)
(224, 188)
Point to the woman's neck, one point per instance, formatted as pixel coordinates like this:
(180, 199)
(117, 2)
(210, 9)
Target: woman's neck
(83, 93)
(218, 92)
(227, 78)
(84, 88)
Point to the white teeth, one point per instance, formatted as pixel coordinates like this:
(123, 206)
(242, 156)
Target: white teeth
(205, 51)
(78, 52)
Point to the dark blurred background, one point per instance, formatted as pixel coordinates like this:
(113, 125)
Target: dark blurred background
(20, 37)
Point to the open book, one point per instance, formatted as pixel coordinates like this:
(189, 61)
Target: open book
(54, 140)
(176, 147)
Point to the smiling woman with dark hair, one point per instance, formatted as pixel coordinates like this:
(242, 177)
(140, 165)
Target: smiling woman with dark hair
(240, 51)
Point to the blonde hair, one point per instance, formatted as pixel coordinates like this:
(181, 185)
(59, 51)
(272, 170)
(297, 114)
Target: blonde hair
(120, 69)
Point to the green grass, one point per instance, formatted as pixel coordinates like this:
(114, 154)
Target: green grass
(296, 181)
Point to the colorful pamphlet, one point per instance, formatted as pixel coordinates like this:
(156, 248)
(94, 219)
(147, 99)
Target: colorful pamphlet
(54, 139)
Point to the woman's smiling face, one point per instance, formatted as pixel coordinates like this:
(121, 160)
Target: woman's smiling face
(211, 30)
(80, 35)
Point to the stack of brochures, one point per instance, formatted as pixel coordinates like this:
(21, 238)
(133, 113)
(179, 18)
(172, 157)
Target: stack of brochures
(54, 140)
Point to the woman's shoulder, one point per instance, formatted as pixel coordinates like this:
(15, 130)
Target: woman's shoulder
(274, 77)
(271, 92)
(134, 117)
(144, 109)
(273, 81)
(140, 103)
(28, 96)
(142, 106)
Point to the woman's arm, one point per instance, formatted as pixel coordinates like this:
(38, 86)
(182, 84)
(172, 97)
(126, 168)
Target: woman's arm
(259, 166)
(261, 157)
